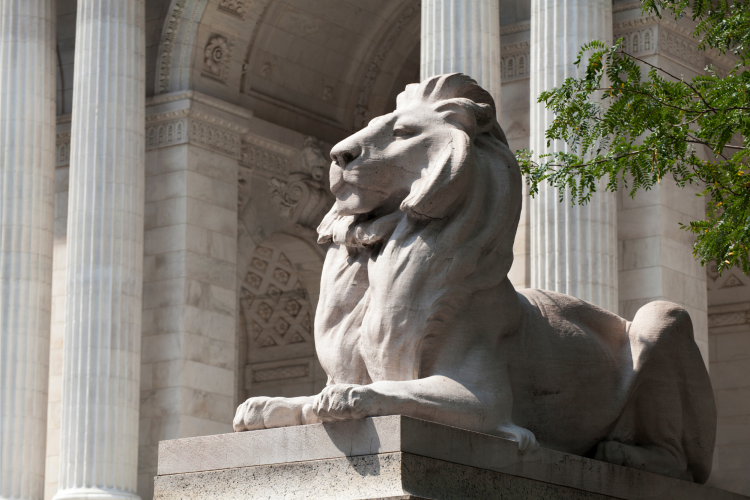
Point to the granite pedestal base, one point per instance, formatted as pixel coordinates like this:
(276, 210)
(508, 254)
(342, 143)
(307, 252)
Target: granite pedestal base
(394, 458)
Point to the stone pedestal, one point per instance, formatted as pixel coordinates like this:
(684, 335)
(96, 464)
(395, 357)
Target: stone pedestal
(395, 458)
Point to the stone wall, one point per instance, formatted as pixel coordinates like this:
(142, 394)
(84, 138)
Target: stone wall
(189, 296)
(729, 349)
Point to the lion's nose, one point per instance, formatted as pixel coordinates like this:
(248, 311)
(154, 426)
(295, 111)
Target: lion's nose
(343, 154)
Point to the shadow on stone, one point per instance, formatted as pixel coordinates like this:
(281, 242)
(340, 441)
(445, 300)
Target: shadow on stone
(355, 444)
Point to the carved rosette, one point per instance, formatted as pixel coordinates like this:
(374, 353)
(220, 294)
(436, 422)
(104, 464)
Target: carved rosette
(216, 57)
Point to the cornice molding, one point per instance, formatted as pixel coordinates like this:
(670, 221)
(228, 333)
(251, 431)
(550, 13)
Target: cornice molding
(270, 145)
(515, 28)
(635, 23)
(512, 48)
(626, 6)
(195, 96)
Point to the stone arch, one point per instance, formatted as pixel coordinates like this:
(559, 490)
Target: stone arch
(386, 70)
(250, 53)
(176, 46)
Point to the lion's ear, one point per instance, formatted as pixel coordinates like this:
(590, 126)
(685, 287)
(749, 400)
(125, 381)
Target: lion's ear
(434, 194)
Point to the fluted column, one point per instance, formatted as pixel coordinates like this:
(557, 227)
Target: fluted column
(27, 169)
(101, 366)
(573, 247)
(462, 35)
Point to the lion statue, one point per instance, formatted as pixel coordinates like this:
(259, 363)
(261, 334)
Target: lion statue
(417, 317)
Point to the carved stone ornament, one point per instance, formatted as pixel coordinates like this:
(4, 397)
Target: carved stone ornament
(514, 64)
(416, 315)
(274, 302)
(237, 8)
(216, 57)
(303, 195)
(62, 150)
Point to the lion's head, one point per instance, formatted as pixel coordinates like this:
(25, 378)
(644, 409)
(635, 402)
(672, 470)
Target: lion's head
(428, 200)
(412, 158)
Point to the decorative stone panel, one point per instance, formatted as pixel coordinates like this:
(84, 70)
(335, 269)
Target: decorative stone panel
(681, 48)
(281, 373)
(166, 133)
(236, 8)
(214, 138)
(168, 43)
(258, 157)
(264, 154)
(276, 308)
(191, 117)
(303, 196)
(515, 61)
(62, 150)
(217, 56)
(639, 42)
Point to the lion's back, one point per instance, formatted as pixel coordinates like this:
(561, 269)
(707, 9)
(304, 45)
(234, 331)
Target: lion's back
(569, 369)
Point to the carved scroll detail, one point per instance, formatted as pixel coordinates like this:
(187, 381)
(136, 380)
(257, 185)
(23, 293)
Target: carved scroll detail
(303, 196)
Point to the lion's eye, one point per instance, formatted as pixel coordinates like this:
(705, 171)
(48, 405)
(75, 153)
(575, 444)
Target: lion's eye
(403, 132)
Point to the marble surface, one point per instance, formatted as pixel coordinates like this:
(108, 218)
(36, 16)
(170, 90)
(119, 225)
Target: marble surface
(573, 247)
(385, 457)
(27, 158)
(102, 349)
(460, 36)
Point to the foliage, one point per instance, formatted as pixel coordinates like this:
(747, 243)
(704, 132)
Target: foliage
(637, 128)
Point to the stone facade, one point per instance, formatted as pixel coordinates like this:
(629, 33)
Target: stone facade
(244, 101)
(729, 352)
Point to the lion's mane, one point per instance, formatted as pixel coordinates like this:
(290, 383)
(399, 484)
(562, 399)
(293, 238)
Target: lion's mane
(453, 236)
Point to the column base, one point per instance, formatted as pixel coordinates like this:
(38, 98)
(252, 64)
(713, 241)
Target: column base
(94, 494)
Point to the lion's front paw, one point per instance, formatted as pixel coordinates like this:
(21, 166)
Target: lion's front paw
(249, 415)
(339, 402)
(267, 413)
(524, 437)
